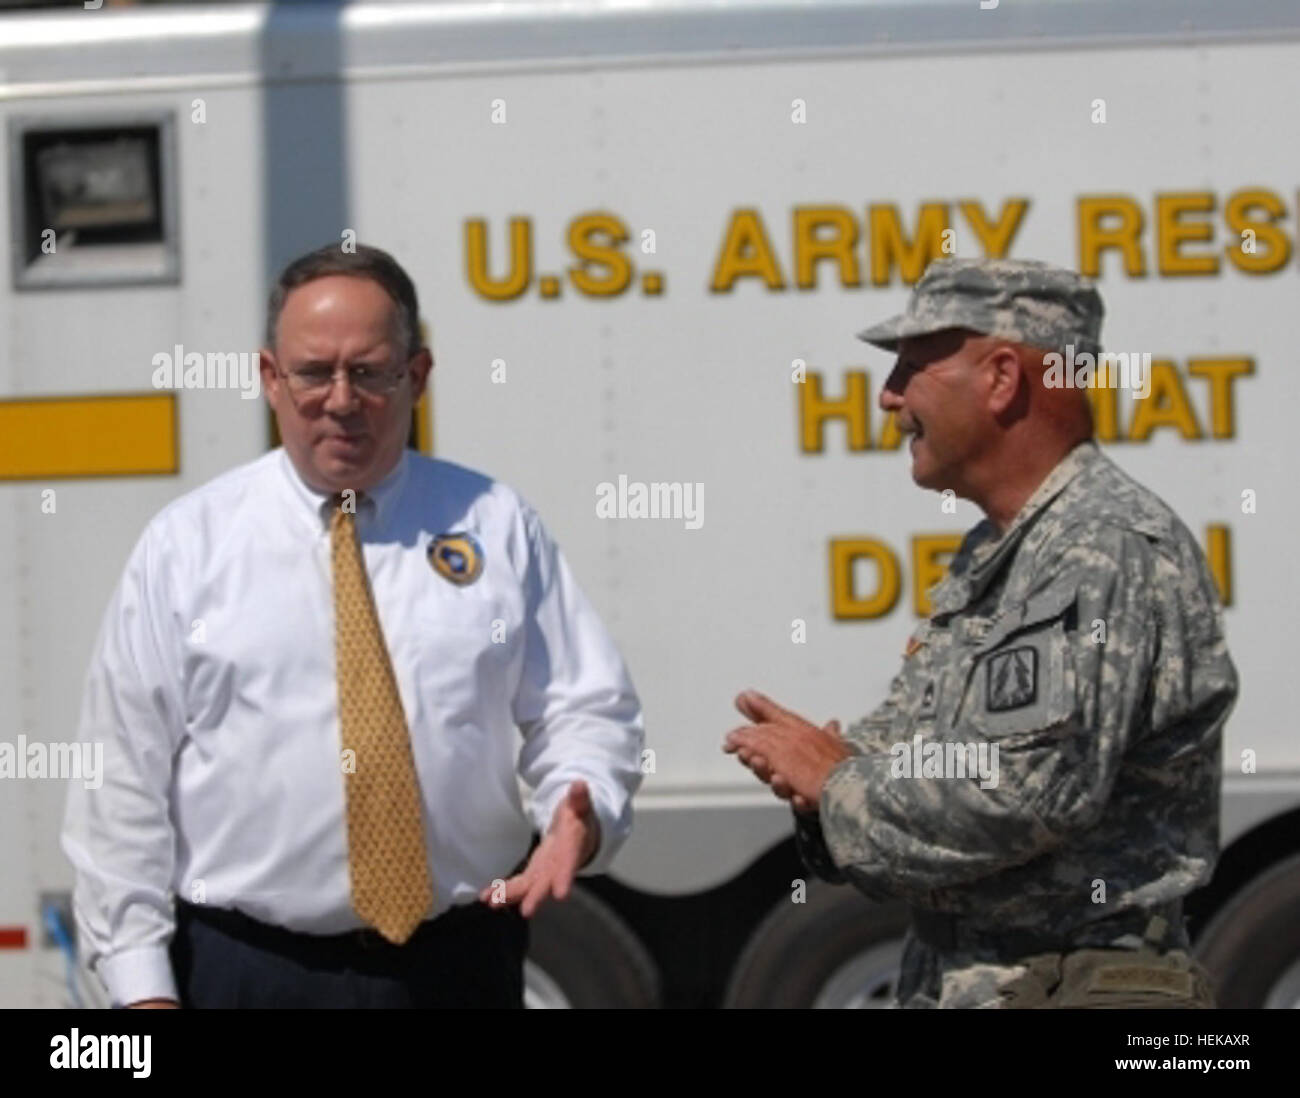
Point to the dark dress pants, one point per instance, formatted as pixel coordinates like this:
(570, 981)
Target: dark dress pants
(470, 956)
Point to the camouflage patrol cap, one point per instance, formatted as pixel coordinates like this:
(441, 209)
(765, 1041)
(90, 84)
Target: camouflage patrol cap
(1020, 300)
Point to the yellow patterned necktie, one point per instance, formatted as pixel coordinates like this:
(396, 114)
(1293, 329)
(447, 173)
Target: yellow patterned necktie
(391, 886)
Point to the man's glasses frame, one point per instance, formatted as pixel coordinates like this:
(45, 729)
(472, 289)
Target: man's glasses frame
(368, 381)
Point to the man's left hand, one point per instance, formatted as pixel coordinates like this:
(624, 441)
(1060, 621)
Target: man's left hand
(791, 754)
(571, 842)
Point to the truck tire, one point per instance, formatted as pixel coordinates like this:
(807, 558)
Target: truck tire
(582, 955)
(837, 949)
(1251, 948)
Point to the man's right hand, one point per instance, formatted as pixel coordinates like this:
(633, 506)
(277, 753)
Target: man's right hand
(155, 1004)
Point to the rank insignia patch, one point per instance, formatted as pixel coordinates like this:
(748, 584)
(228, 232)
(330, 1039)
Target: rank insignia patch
(1012, 680)
(457, 557)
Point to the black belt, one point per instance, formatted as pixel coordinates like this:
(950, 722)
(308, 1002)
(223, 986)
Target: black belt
(956, 933)
(367, 943)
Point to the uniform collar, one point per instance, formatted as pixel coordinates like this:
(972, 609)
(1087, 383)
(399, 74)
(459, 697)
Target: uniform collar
(983, 551)
(374, 506)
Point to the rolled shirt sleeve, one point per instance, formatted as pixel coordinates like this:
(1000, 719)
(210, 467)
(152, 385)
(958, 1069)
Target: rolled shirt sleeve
(1106, 631)
(575, 704)
(119, 836)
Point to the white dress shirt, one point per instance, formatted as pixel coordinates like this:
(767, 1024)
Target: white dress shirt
(213, 690)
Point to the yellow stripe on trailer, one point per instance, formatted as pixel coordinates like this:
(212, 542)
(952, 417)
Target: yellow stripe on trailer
(119, 435)
(423, 426)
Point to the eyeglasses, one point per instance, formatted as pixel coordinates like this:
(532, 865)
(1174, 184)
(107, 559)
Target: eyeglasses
(317, 381)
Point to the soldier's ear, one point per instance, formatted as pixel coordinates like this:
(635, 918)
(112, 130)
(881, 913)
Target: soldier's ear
(1005, 376)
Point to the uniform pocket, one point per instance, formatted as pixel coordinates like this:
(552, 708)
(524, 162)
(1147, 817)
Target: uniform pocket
(1020, 676)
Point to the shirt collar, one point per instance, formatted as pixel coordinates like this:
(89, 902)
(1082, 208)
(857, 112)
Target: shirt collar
(984, 551)
(373, 506)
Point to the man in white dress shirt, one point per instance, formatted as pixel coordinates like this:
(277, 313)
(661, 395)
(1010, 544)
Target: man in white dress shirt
(317, 684)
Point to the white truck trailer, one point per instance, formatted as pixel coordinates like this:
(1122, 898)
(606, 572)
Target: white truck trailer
(644, 235)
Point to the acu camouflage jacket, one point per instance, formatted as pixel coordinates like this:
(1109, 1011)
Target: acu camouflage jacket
(1086, 644)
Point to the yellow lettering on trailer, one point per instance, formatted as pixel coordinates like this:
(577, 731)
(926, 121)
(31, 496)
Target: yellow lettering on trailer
(1255, 243)
(854, 598)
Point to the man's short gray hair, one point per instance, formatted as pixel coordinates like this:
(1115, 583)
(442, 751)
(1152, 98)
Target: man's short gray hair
(365, 262)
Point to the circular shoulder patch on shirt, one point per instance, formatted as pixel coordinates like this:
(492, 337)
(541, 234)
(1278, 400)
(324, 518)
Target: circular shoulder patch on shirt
(457, 557)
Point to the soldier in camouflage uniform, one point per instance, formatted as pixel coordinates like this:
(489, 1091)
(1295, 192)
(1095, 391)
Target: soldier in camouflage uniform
(1076, 641)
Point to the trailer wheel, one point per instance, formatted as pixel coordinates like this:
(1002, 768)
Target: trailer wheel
(1251, 948)
(581, 954)
(838, 949)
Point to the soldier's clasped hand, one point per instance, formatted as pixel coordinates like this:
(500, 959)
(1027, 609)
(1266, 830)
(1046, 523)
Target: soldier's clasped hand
(787, 752)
